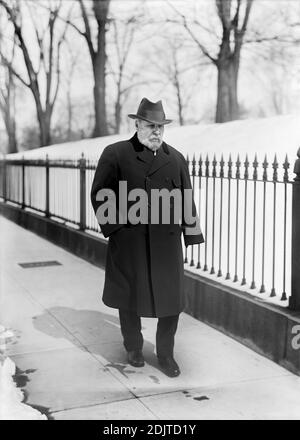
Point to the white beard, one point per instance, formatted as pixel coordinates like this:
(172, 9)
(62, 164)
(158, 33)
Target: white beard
(153, 146)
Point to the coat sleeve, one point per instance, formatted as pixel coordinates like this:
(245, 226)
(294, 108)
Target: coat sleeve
(192, 232)
(104, 190)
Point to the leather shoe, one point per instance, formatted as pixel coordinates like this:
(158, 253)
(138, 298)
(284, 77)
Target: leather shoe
(135, 358)
(169, 366)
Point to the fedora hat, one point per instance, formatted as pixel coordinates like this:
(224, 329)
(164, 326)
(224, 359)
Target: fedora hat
(151, 112)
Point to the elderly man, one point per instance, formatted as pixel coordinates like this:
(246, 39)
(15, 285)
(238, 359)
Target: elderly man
(144, 265)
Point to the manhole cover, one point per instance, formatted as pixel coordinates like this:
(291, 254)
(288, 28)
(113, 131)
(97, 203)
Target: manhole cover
(39, 264)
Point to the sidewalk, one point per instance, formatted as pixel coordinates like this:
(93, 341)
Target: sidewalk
(68, 347)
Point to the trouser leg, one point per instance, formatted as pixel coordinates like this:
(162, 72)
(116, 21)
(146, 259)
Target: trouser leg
(131, 330)
(165, 335)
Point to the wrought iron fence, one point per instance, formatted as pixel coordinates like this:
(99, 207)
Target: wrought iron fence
(246, 211)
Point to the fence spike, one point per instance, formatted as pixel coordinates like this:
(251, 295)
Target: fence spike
(246, 165)
(230, 166)
(265, 166)
(194, 165)
(255, 165)
(206, 166)
(286, 166)
(200, 166)
(222, 163)
(214, 164)
(238, 164)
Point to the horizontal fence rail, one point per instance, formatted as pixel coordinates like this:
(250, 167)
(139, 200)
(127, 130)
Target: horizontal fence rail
(245, 210)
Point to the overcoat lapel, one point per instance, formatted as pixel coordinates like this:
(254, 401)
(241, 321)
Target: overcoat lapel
(161, 159)
(142, 155)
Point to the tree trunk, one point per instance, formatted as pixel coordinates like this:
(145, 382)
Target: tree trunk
(228, 68)
(227, 100)
(10, 125)
(99, 63)
(117, 117)
(8, 109)
(179, 101)
(118, 108)
(44, 119)
(100, 128)
(43, 116)
(70, 113)
(99, 95)
(12, 142)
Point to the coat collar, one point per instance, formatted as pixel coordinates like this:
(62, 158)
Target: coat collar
(144, 156)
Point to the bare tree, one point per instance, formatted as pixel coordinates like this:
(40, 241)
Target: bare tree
(176, 66)
(97, 49)
(48, 70)
(234, 17)
(70, 75)
(8, 101)
(8, 109)
(64, 118)
(276, 76)
(122, 40)
(270, 50)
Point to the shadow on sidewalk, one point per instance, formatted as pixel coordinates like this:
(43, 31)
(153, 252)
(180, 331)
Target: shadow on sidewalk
(97, 332)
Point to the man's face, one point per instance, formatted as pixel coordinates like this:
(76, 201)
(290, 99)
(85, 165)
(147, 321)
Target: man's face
(150, 134)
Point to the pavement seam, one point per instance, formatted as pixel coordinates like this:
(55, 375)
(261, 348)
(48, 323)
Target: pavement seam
(101, 404)
(45, 350)
(216, 385)
(163, 393)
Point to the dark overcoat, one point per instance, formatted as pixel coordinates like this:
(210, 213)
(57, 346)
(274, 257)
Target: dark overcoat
(144, 263)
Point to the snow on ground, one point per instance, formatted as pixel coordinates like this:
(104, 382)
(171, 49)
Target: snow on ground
(11, 397)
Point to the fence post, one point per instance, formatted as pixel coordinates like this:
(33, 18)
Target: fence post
(23, 183)
(47, 211)
(294, 302)
(82, 168)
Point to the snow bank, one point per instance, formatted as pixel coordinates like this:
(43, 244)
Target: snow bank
(11, 397)
(278, 134)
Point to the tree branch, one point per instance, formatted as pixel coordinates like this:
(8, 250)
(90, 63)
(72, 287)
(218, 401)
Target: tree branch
(87, 34)
(199, 44)
(246, 17)
(12, 70)
(223, 8)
